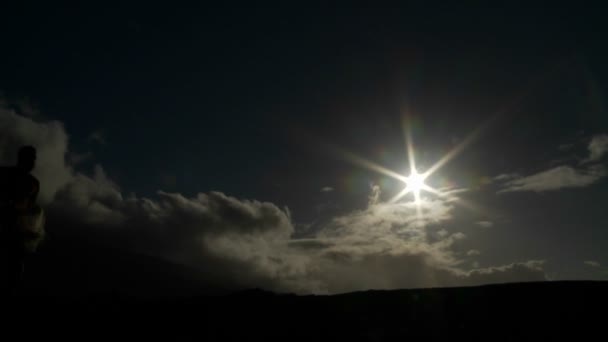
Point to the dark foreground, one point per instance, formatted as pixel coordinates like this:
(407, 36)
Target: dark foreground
(539, 311)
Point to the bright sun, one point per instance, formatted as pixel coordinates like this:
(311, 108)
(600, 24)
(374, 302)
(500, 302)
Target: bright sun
(415, 182)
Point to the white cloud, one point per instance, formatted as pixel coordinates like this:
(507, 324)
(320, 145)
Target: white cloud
(327, 189)
(531, 270)
(473, 252)
(592, 263)
(598, 147)
(562, 176)
(554, 179)
(374, 196)
(506, 176)
(94, 200)
(387, 246)
(248, 243)
(239, 243)
(485, 224)
(51, 142)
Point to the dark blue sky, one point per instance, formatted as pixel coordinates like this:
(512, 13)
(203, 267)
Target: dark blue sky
(209, 96)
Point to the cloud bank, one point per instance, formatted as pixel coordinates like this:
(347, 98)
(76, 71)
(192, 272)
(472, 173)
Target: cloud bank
(243, 243)
(51, 142)
(592, 263)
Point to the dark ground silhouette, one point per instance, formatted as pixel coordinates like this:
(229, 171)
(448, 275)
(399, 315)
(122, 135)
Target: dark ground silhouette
(540, 311)
(78, 289)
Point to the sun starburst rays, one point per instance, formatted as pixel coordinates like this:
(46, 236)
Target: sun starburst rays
(415, 182)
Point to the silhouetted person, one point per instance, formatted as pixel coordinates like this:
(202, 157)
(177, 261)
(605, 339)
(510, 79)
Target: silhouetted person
(18, 192)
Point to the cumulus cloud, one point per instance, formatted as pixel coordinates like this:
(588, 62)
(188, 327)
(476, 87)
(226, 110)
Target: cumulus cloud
(442, 233)
(238, 243)
(94, 200)
(485, 224)
(51, 142)
(248, 243)
(592, 263)
(388, 246)
(243, 243)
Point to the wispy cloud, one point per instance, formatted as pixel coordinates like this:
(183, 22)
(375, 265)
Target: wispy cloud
(473, 252)
(562, 176)
(554, 179)
(592, 263)
(598, 147)
(506, 176)
(528, 270)
(327, 189)
(485, 224)
(374, 196)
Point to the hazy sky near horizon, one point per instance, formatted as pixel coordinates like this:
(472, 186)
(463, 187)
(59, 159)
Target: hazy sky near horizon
(233, 139)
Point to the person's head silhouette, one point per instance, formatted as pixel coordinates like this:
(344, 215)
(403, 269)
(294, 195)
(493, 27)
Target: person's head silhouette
(26, 159)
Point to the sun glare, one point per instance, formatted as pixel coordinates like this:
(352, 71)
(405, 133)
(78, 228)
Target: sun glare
(415, 182)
